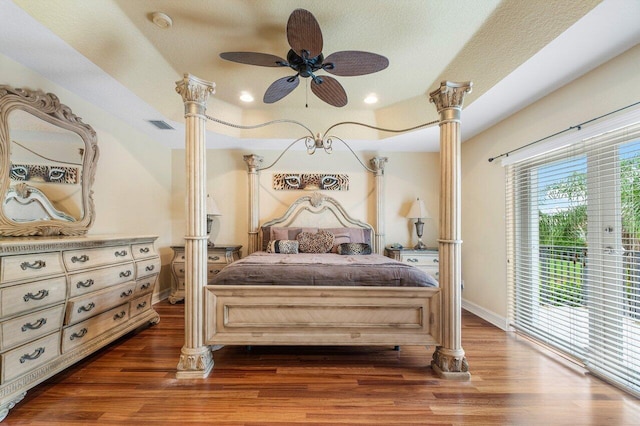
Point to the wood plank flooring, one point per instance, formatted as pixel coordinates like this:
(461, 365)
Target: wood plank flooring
(133, 382)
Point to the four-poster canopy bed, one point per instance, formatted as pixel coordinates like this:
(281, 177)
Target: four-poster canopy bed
(345, 314)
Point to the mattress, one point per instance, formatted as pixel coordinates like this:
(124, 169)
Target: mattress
(322, 269)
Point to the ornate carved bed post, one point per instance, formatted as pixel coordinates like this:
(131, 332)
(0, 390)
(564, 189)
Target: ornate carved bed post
(377, 164)
(253, 164)
(449, 360)
(196, 360)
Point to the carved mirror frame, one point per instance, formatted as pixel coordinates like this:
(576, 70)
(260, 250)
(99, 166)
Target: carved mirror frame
(47, 107)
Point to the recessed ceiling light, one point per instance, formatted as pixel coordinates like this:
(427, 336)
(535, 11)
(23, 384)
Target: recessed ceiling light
(161, 20)
(371, 99)
(246, 97)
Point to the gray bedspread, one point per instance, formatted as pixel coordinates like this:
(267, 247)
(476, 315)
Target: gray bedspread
(326, 269)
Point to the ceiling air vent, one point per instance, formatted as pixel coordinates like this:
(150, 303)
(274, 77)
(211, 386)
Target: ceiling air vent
(162, 125)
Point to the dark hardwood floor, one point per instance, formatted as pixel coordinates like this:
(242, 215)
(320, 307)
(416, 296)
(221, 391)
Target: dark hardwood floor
(133, 382)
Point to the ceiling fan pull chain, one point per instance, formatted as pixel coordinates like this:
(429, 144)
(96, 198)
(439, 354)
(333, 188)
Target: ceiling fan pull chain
(306, 95)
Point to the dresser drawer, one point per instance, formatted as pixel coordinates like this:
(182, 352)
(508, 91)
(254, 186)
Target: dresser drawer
(89, 258)
(178, 269)
(97, 279)
(26, 297)
(139, 305)
(147, 267)
(420, 259)
(87, 306)
(27, 357)
(31, 326)
(213, 269)
(145, 285)
(143, 251)
(30, 266)
(216, 258)
(91, 328)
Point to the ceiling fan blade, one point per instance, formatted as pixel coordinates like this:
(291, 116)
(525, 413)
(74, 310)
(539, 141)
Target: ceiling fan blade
(280, 88)
(354, 62)
(303, 33)
(254, 58)
(330, 91)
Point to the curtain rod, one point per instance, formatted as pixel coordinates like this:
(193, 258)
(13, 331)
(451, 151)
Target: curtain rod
(577, 127)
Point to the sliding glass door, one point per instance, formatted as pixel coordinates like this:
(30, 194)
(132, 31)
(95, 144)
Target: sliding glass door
(575, 261)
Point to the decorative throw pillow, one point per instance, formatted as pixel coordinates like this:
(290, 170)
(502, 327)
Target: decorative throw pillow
(354, 248)
(320, 242)
(283, 246)
(339, 238)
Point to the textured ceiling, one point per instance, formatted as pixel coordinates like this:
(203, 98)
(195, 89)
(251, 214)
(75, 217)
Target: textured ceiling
(426, 41)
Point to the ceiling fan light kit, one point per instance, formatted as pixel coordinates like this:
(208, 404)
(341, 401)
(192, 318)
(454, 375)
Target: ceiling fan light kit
(306, 59)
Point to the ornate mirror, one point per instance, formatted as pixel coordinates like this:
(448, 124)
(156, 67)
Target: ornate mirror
(48, 158)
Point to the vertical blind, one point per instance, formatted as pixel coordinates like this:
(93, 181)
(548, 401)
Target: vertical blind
(573, 226)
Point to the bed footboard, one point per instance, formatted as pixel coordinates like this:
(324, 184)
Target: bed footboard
(292, 315)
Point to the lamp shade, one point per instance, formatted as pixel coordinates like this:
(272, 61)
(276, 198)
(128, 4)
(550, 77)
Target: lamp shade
(212, 207)
(418, 210)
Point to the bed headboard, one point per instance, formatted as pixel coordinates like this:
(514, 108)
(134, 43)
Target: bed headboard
(317, 211)
(335, 210)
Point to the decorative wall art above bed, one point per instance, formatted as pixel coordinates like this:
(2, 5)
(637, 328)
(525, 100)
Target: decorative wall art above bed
(311, 181)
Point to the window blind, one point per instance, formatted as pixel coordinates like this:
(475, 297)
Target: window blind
(573, 227)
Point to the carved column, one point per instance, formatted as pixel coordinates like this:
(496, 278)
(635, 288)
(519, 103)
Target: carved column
(378, 163)
(253, 168)
(449, 360)
(196, 360)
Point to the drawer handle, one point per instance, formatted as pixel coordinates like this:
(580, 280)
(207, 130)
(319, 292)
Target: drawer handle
(30, 357)
(214, 271)
(120, 253)
(125, 274)
(214, 258)
(436, 261)
(80, 259)
(86, 284)
(119, 316)
(145, 286)
(79, 334)
(38, 296)
(38, 264)
(86, 308)
(412, 260)
(126, 293)
(34, 326)
(144, 250)
(150, 268)
(142, 305)
(182, 271)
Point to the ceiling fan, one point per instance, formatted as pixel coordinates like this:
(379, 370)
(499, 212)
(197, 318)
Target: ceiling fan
(305, 58)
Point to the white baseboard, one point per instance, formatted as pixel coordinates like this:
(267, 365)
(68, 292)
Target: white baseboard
(158, 297)
(485, 314)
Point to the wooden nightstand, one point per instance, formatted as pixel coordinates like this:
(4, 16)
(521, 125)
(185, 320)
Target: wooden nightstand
(427, 260)
(217, 258)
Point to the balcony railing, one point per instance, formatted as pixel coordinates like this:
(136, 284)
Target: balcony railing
(563, 277)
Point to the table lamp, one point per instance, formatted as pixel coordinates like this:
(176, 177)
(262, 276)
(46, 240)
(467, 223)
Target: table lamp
(419, 212)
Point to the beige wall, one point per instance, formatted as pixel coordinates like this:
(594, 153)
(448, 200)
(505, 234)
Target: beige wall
(132, 189)
(408, 175)
(608, 87)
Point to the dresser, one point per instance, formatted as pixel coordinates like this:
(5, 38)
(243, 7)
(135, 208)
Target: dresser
(218, 257)
(426, 260)
(63, 298)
